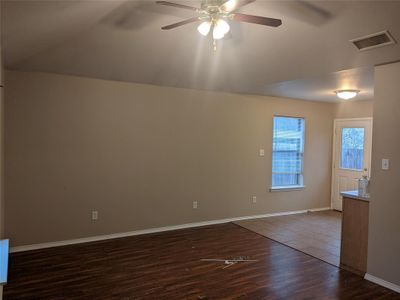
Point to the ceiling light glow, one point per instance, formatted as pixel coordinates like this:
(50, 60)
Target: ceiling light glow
(347, 94)
(230, 5)
(221, 28)
(204, 28)
(217, 34)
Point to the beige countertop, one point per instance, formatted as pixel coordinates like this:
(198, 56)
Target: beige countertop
(354, 195)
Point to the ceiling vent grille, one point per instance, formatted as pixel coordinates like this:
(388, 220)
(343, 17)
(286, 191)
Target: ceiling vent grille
(373, 41)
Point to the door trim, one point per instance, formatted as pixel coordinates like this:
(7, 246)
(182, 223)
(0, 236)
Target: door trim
(335, 121)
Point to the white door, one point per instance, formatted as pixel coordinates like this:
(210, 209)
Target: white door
(352, 144)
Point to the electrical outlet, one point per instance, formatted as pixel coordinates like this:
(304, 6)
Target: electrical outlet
(195, 204)
(254, 199)
(385, 164)
(95, 215)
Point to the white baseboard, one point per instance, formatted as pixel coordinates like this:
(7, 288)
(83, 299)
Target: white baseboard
(154, 230)
(319, 209)
(382, 282)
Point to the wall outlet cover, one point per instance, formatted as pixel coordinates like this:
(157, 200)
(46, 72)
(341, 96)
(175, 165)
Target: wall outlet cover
(385, 164)
(95, 215)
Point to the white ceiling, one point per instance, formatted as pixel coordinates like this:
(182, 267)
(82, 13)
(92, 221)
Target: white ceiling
(321, 88)
(122, 40)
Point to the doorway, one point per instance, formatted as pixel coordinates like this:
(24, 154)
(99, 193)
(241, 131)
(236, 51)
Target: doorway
(352, 143)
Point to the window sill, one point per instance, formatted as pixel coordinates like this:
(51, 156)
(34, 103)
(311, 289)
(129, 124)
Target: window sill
(287, 188)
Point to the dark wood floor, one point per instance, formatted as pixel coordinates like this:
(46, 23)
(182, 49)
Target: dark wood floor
(167, 266)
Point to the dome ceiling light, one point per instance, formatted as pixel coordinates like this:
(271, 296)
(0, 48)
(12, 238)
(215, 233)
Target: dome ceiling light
(347, 94)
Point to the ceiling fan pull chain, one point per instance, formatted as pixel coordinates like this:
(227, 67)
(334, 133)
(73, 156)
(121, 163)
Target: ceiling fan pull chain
(215, 44)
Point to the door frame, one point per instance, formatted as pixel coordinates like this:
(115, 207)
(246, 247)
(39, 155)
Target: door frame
(335, 121)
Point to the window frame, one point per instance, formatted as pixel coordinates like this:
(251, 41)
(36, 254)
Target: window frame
(300, 185)
(341, 150)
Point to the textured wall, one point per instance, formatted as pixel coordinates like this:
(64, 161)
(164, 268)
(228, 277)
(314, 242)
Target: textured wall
(384, 237)
(1, 158)
(140, 154)
(354, 109)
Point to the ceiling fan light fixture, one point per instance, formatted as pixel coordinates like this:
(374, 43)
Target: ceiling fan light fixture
(213, 15)
(347, 94)
(221, 27)
(217, 34)
(204, 28)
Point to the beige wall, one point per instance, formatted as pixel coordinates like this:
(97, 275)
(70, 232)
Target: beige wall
(140, 155)
(384, 236)
(353, 109)
(1, 147)
(1, 156)
(1, 161)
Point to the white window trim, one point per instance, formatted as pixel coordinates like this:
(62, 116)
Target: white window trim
(300, 186)
(287, 188)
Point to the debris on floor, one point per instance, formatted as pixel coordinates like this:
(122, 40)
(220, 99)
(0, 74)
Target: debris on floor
(230, 262)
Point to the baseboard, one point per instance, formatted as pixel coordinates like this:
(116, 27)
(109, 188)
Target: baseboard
(155, 230)
(382, 282)
(319, 209)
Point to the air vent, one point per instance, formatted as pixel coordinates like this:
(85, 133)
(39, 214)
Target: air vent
(373, 41)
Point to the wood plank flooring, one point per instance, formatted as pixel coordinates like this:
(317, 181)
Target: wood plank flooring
(315, 233)
(167, 266)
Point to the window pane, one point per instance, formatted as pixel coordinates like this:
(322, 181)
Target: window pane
(352, 148)
(287, 151)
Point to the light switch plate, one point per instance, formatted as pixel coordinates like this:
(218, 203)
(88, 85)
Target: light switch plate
(385, 164)
(262, 152)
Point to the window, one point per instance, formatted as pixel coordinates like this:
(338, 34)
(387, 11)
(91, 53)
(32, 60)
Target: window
(352, 157)
(287, 153)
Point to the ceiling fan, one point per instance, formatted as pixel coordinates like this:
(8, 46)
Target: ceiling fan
(214, 15)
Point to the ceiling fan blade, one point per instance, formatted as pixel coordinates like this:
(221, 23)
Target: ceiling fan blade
(232, 5)
(257, 20)
(177, 5)
(184, 22)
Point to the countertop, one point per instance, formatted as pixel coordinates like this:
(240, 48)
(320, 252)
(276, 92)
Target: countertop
(354, 195)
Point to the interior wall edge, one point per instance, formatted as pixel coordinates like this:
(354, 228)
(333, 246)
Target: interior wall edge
(384, 216)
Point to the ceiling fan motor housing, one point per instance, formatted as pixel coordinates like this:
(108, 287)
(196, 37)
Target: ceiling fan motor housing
(211, 5)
